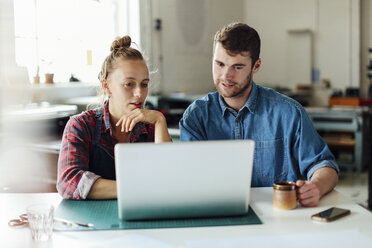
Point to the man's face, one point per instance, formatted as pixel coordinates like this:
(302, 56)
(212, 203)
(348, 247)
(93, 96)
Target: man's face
(232, 74)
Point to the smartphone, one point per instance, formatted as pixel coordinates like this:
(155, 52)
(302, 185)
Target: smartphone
(330, 214)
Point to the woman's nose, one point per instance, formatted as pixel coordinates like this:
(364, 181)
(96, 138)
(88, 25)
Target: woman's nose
(138, 92)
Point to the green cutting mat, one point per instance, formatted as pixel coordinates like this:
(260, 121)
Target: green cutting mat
(104, 216)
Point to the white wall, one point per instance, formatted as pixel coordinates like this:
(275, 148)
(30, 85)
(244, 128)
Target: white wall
(183, 58)
(7, 39)
(182, 50)
(335, 29)
(366, 42)
(339, 42)
(8, 68)
(325, 34)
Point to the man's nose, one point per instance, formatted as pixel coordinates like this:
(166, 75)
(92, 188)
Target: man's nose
(227, 74)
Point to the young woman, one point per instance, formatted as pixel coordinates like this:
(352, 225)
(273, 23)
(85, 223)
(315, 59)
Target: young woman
(86, 167)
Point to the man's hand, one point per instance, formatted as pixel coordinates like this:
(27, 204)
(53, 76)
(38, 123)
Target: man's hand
(322, 181)
(308, 193)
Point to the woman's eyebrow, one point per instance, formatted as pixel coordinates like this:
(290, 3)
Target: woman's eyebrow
(133, 78)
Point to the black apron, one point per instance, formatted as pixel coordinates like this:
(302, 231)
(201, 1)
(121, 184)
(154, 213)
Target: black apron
(100, 161)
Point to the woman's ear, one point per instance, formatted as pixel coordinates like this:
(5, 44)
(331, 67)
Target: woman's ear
(105, 87)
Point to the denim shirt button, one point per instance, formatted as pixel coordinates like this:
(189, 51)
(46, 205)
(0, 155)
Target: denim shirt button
(237, 119)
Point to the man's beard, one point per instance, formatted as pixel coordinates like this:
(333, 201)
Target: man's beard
(239, 92)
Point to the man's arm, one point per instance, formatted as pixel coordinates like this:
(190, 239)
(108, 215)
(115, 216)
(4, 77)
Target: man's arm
(323, 181)
(189, 130)
(316, 163)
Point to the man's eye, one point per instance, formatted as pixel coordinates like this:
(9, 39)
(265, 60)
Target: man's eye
(128, 84)
(145, 85)
(219, 64)
(238, 67)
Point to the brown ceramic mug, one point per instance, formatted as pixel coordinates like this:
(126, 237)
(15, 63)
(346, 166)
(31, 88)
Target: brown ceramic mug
(285, 196)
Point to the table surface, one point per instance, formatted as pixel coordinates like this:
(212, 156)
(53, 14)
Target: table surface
(38, 112)
(275, 222)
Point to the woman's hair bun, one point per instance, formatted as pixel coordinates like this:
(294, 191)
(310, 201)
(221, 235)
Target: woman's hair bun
(121, 43)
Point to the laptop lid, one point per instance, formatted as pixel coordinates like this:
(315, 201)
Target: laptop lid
(184, 179)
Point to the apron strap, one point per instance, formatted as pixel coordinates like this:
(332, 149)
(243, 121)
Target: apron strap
(97, 132)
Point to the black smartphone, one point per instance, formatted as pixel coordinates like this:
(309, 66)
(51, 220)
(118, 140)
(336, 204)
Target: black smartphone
(331, 214)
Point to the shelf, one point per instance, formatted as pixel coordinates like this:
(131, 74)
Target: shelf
(339, 141)
(344, 129)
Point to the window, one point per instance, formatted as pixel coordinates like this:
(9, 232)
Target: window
(67, 37)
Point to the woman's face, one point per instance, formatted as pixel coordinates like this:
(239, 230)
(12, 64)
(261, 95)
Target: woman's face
(127, 86)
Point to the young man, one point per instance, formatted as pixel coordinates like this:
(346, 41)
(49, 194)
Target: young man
(288, 148)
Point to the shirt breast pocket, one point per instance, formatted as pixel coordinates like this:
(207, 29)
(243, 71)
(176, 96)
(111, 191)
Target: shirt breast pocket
(270, 160)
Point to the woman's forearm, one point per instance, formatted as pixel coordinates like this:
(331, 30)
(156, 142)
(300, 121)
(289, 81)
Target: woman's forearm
(103, 189)
(161, 130)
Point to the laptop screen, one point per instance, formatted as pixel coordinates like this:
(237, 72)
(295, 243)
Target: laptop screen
(186, 179)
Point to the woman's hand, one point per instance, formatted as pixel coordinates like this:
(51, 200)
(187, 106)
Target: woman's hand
(130, 119)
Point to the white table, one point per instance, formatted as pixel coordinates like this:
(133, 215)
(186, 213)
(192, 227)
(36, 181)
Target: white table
(275, 222)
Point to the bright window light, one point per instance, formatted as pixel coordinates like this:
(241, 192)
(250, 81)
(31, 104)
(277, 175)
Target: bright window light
(64, 37)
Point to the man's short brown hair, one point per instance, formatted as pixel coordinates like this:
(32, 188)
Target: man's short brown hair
(238, 38)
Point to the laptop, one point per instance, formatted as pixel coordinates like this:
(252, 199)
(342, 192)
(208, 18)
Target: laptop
(184, 179)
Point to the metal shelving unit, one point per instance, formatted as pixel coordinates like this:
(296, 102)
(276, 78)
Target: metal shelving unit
(354, 120)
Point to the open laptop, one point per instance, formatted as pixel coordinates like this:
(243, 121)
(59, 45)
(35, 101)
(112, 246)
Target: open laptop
(184, 179)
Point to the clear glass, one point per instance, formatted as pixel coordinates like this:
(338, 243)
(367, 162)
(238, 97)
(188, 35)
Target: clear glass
(41, 220)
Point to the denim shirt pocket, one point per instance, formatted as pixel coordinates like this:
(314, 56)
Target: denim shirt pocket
(270, 160)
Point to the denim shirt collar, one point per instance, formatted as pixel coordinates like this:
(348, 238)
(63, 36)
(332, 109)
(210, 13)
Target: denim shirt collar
(250, 104)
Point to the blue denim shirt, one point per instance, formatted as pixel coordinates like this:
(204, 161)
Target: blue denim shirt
(287, 145)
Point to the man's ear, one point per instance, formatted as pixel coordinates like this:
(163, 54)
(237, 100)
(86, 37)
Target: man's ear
(105, 87)
(257, 66)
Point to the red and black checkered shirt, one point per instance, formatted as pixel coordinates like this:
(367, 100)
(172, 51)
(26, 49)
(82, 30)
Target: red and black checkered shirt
(74, 178)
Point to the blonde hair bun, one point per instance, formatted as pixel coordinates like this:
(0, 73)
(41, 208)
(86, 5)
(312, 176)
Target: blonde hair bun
(121, 43)
(120, 49)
